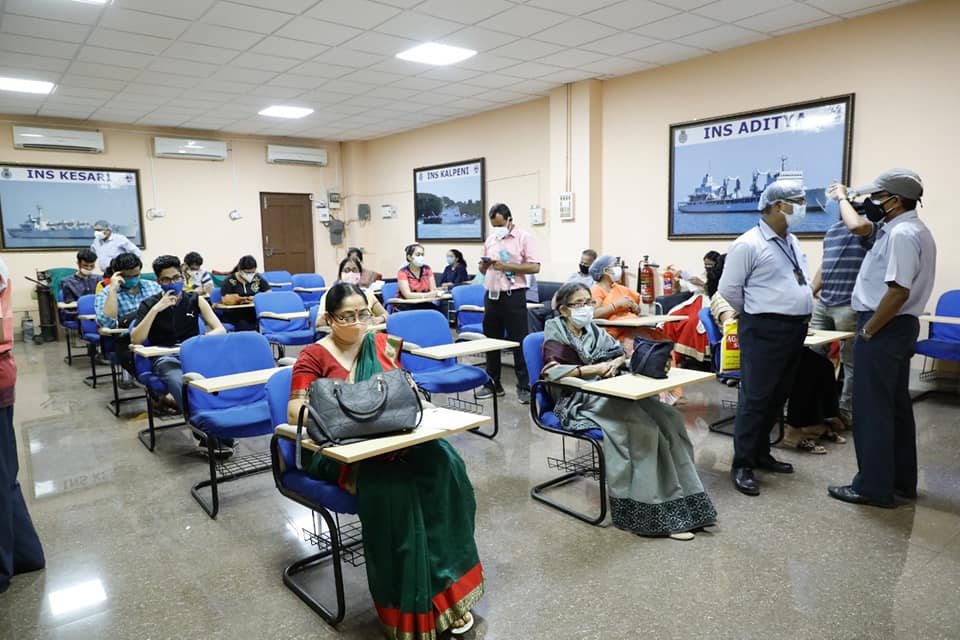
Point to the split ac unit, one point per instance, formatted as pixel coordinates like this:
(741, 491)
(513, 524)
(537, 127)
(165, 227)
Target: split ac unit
(189, 148)
(57, 139)
(277, 154)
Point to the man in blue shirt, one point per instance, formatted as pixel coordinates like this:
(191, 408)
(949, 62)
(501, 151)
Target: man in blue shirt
(108, 245)
(765, 278)
(843, 253)
(82, 283)
(892, 289)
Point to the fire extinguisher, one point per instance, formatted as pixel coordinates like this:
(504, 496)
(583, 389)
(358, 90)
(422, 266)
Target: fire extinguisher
(668, 281)
(646, 282)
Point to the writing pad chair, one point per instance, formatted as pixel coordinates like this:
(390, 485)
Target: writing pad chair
(279, 280)
(71, 328)
(109, 350)
(231, 413)
(942, 342)
(216, 297)
(309, 281)
(155, 389)
(90, 335)
(339, 541)
(429, 328)
(279, 332)
(388, 291)
(573, 465)
(469, 321)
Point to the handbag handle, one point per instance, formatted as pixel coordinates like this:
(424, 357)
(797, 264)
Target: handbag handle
(305, 409)
(362, 414)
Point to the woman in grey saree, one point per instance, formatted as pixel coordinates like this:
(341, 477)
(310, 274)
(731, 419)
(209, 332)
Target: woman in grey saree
(653, 483)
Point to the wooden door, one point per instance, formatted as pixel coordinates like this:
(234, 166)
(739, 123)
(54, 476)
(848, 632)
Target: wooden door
(287, 223)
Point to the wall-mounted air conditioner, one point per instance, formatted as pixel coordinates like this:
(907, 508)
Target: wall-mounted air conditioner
(57, 139)
(277, 154)
(189, 148)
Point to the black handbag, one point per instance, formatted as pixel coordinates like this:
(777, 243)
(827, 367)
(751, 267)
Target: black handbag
(385, 404)
(651, 358)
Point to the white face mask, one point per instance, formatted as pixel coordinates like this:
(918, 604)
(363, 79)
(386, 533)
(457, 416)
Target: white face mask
(247, 276)
(616, 273)
(581, 317)
(797, 216)
(86, 272)
(99, 235)
(501, 232)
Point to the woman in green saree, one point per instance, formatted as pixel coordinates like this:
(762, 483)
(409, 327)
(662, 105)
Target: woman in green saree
(416, 506)
(653, 484)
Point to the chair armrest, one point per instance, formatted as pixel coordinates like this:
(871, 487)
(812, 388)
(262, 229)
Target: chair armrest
(470, 307)
(470, 335)
(287, 362)
(410, 346)
(193, 375)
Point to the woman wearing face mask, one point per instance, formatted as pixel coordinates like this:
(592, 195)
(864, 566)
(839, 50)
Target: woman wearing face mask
(653, 484)
(350, 272)
(455, 273)
(196, 279)
(617, 302)
(238, 289)
(417, 506)
(415, 280)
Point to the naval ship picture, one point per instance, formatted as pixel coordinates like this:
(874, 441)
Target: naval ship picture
(729, 197)
(450, 214)
(38, 227)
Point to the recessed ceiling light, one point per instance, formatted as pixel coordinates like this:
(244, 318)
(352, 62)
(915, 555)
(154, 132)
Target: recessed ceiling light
(95, 1)
(286, 112)
(25, 86)
(436, 54)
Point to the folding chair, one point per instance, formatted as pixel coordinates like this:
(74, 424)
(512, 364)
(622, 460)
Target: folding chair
(279, 332)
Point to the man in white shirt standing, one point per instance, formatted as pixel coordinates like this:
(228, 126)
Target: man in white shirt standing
(892, 289)
(108, 245)
(766, 279)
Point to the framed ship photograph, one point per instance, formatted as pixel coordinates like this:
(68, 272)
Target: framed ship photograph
(719, 167)
(46, 208)
(449, 201)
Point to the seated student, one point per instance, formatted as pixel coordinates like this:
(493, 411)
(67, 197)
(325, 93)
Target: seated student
(616, 301)
(653, 483)
(416, 506)
(349, 273)
(455, 273)
(82, 283)
(196, 279)
(415, 279)
(367, 277)
(239, 288)
(168, 318)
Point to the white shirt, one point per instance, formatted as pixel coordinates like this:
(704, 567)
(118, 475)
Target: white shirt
(758, 274)
(904, 252)
(110, 248)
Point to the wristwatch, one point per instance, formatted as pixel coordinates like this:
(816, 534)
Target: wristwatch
(866, 335)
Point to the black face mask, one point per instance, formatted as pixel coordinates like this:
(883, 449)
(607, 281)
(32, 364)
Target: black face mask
(584, 269)
(874, 212)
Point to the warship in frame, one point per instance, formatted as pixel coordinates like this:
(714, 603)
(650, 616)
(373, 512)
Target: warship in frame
(728, 197)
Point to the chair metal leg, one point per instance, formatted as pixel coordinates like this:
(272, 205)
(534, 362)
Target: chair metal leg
(599, 468)
(69, 358)
(117, 400)
(496, 423)
(234, 469)
(152, 429)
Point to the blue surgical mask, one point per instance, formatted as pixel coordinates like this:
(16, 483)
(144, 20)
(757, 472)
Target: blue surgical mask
(418, 261)
(450, 260)
(176, 287)
(131, 283)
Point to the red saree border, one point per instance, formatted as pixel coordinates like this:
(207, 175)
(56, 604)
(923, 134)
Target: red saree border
(422, 626)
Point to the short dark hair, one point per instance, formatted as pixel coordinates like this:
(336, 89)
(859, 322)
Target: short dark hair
(193, 258)
(410, 248)
(125, 262)
(346, 260)
(246, 262)
(357, 251)
(457, 254)
(566, 291)
(713, 256)
(589, 252)
(165, 262)
(502, 209)
(340, 292)
(86, 255)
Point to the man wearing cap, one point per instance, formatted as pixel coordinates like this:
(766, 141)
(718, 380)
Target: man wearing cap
(892, 289)
(108, 245)
(765, 278)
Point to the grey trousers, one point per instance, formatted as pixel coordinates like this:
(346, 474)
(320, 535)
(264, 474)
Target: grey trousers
(842, 318)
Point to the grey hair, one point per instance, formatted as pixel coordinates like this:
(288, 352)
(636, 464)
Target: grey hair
(566, 291)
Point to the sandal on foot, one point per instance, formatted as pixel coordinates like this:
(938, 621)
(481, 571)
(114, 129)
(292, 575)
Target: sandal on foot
(466, 626)
(809, 446)
(832, 436)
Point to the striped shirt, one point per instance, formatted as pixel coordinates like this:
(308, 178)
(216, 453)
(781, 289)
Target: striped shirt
(843, 253)
(128, 301)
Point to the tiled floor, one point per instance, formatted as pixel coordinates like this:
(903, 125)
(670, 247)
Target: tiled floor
(131, 555)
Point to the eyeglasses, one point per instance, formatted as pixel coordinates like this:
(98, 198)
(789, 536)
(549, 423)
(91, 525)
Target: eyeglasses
(581, 305)
(353, 318)
(171, 280)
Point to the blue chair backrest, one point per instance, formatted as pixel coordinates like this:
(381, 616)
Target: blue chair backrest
(309, 280)
(389, 290)
(425, 327)
(278, 393)
(533, 354)
(714, 334)
(222, 355)
(468, 294)
(85, 306)
(279, 280)
(279, 302)
(947, 305)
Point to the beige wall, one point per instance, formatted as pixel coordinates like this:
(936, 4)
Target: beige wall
(196, 194)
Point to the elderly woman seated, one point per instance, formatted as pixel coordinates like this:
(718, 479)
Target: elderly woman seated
(653, 483)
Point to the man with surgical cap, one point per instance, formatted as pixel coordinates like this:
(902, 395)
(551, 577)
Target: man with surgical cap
(765, 278)
(892, 289)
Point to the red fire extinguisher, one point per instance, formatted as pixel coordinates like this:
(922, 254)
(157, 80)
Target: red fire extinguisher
(646, 282)
(668, 281)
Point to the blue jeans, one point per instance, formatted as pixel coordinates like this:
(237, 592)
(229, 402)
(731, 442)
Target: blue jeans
(842, 318)
(20, 549)
(168, 369)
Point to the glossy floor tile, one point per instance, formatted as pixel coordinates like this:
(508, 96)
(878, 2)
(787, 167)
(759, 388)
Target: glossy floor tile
(131, 555)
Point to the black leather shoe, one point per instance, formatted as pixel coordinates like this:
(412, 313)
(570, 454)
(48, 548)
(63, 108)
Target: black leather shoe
(769, 463)
(906, 495)
(848, 494)
(744, 481)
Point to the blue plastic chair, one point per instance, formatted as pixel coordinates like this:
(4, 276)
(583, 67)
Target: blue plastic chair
(469, 294)
(590, 465)
(282, 332)
(216, 297)
(71, 328)
(279, 280)
(715, 337)
(323, 498)
(429, 328)
(943, 340)
(155, 389)
(309, 281)
(390, 290)
(232, 413)
(90, 335)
